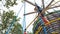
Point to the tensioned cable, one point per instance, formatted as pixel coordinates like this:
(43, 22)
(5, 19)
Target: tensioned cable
(31, 23)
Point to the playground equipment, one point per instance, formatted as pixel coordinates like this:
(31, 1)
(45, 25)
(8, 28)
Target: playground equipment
(53, 28)
(44, 25)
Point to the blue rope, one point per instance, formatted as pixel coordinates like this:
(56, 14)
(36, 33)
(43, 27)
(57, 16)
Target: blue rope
(42, 23)
(50, 29)
(9, 28)
(24, 22)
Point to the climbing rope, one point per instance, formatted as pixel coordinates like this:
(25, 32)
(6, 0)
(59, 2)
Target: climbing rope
(54, 20)
(38, 30)
(40, 27)
(40, 14)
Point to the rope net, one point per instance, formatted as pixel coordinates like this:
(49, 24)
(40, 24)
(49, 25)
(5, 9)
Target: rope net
(53, 28)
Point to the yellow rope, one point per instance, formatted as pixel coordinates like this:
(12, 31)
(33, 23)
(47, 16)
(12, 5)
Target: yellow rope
(43, 11)
(53, 20)
(39, 29)
(38, 15)
(54, 32)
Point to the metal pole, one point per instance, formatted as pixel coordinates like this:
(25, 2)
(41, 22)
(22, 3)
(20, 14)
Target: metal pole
(24, 22)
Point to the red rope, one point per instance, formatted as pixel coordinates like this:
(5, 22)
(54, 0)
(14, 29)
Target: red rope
(46, 22)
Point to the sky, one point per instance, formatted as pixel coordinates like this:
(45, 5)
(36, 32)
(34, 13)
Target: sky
(28, 8)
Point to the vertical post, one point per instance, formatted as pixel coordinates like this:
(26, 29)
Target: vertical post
(24, 22)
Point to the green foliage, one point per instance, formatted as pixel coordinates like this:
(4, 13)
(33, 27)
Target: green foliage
(10, 3)
(17, 29)
(35, 23)
(7, 18)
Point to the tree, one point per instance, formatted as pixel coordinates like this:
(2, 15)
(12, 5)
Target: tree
(6, 19)
(9, 3)
(8, 16)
